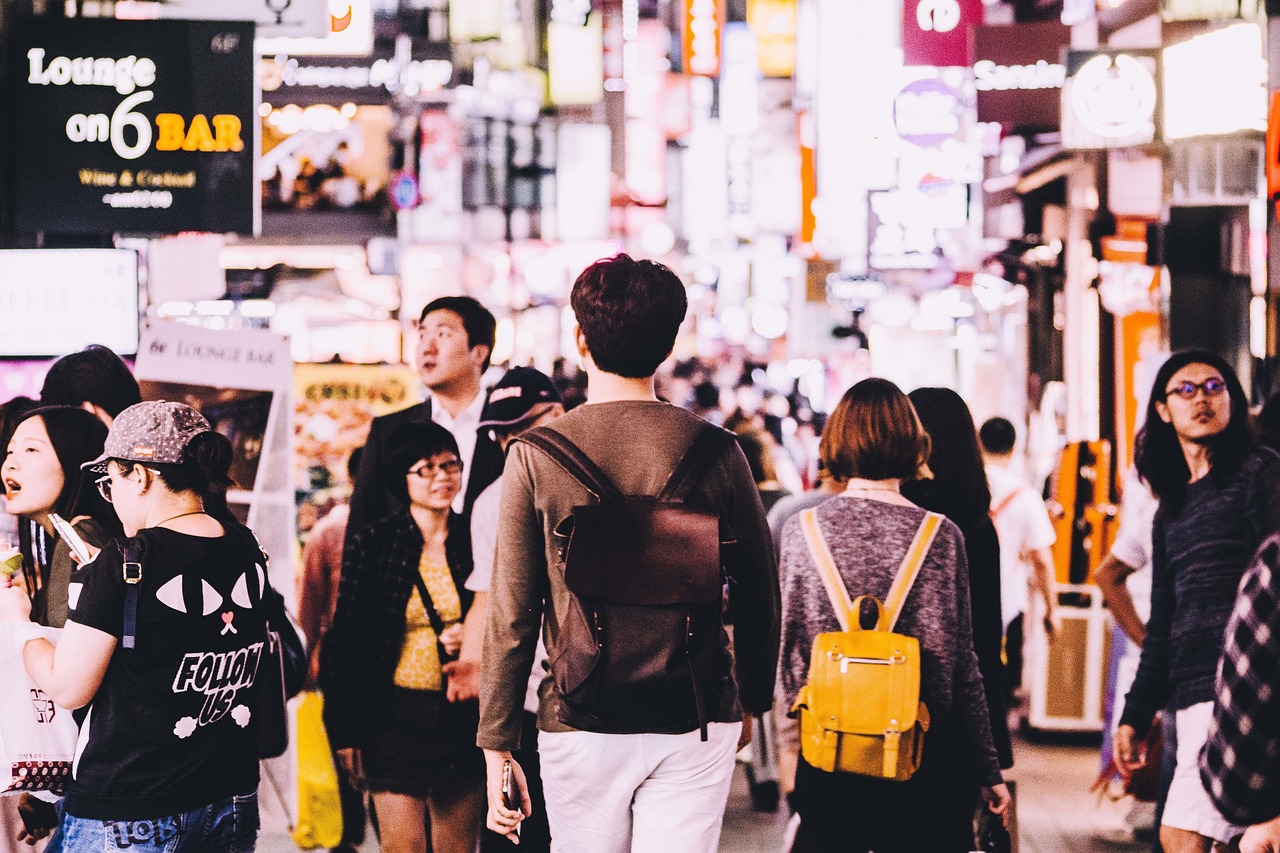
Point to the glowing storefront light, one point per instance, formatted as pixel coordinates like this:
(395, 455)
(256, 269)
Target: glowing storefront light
(1114, 97)
(1215, 83)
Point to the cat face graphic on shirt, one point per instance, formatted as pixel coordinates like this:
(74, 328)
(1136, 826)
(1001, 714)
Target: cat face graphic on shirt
(223, 677)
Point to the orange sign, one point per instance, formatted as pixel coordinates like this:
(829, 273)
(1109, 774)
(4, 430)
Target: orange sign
(703, 21)
(1273, 147)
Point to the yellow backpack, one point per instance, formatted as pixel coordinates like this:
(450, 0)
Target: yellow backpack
(860, 711)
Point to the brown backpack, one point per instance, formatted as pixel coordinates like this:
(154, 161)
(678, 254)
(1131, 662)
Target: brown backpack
(640, 648)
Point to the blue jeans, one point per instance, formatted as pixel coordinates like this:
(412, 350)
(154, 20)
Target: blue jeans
(227, 826)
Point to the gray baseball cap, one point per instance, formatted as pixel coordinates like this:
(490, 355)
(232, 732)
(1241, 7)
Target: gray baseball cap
(156, 431)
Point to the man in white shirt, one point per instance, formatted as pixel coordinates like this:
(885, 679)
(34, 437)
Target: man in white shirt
(1026, 535)
(456, 336)
(523, 399)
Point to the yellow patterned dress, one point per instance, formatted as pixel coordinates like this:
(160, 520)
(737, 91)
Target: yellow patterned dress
(419, 666)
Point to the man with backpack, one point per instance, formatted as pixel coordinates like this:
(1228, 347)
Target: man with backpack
(623, 522)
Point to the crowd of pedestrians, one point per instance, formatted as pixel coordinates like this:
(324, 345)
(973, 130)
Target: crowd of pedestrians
(558, 625)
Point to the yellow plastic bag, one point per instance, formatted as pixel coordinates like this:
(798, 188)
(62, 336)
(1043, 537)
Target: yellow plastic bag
(319, 803)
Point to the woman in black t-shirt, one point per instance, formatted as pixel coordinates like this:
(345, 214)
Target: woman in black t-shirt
(164, 653)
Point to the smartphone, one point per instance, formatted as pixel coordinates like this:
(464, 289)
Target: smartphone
(510, 799)
(69, 535)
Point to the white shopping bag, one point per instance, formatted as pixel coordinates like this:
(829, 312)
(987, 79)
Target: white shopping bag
(37, 738)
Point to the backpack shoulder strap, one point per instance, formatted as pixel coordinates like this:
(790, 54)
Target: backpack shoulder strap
(133, 550)
(1004, 504)
(909, 571)
(574, 462)
(837, 592)
(696, 459)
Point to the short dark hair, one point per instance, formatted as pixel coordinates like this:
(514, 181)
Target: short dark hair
(874, 433)
(998, 436)
(411, 443)
(757, 446)
(1158, 454)
(630, 312)
(478, 321)
(353, 463)
(94, 375)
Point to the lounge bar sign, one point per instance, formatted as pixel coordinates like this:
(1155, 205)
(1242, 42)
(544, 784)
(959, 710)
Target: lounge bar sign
(133, 126)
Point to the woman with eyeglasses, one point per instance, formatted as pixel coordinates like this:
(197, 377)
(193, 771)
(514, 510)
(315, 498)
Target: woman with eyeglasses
(1219, 497)
(401, 604)
(42, 476)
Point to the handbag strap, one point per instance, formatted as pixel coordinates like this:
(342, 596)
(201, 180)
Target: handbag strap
(909, 571)
(429, 605)
(837, 592)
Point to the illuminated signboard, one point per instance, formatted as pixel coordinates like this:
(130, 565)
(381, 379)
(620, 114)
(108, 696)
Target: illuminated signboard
(350, 33)
(68, 299)
(1019, 74)
(1208, 10)
(774, 24)
(133, 126)
(703, 20)
(1111, 98)
(936, 32)
(1216, 83)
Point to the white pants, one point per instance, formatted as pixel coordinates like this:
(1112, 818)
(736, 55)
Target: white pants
(1188, 805)
(646, 793)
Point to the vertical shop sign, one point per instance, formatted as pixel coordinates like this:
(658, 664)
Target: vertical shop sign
(703, 21)
(439, 211)
(936, 32)
(773, 22)
(141, 126)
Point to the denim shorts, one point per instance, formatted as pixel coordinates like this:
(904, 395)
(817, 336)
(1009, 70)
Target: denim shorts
(227, 826)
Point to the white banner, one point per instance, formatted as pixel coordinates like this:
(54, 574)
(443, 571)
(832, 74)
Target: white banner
(281, 18)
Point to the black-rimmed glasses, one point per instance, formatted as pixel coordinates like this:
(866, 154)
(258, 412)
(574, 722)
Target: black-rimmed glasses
(427, 470)
(1188, 390)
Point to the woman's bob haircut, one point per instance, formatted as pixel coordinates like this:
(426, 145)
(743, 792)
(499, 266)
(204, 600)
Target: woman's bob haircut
(875, 434)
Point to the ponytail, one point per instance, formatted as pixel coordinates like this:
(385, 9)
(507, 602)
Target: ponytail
(204, 469)
(209, 454)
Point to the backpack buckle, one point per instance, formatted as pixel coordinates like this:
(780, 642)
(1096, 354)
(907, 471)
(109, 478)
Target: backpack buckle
(132, 573)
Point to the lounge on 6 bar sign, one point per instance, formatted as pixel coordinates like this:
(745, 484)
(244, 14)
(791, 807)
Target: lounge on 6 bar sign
(133, 126)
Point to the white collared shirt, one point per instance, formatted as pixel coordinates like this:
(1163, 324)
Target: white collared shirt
(464, 428)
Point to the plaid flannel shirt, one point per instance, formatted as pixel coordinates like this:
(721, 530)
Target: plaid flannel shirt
(1240, 762)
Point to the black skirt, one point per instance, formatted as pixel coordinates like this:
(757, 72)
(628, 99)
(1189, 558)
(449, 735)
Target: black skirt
(854, 814)
(423, 741)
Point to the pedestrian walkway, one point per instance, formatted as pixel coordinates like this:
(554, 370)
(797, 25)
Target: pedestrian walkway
(1056, 812)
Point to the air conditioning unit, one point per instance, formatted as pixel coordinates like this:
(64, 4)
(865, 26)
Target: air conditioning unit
(1216, 171)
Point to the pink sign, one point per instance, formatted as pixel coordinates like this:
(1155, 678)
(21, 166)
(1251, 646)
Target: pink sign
(936, 32)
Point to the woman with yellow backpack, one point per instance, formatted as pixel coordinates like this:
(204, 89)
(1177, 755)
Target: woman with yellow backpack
(877, 654)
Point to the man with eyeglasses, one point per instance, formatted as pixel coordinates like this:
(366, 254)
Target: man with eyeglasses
(456, 335)
(1219, 500)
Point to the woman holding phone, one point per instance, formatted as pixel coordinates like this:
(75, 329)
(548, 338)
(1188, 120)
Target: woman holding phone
(401, 605)
(43, 479)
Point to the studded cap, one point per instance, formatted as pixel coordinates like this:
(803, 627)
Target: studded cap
(155, 431)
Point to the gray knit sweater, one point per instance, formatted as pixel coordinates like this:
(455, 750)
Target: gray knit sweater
(869, 540)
